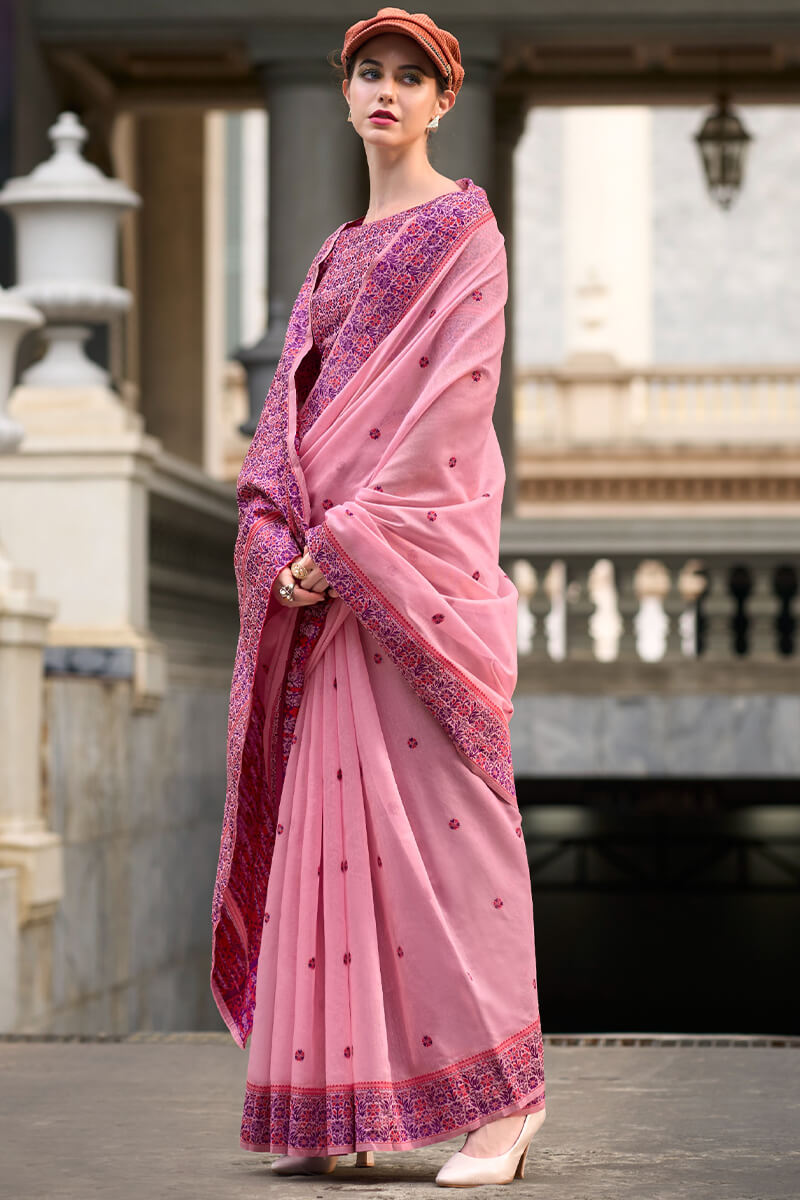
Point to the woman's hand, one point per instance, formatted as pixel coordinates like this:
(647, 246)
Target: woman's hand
(310, 590)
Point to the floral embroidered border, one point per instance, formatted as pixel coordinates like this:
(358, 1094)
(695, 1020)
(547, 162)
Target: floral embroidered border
(397, 1114)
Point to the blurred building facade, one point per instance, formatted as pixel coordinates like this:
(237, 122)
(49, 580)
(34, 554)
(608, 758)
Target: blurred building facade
(649, 417)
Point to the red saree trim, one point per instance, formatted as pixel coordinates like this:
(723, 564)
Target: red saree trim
(397, 1114)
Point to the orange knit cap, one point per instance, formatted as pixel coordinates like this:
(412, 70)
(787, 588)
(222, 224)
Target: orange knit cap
(440, 46)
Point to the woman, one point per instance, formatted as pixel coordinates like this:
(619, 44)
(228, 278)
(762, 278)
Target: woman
(373, 924)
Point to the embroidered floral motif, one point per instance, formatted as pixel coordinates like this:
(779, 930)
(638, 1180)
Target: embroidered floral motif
(299, 1055)
(518, 831)
(380, 861)
(427, 1041)
(497, 902)
(423, 362)
(312, 962)
(335, 684)
(452, 461)
(432, 313)
(378, 487)
(411, 1112)
(476, 574)
(346, 958)
(326, 503)
(431, 515)
(454, 823)
(412, 741)
(347, 1051)
(476, 375)
(375, 433)
(266, 918)
(477, 294)
(344, 864)
(279, 829)
(378, 657)
(437, 618)
(339, 773)
(349, 512)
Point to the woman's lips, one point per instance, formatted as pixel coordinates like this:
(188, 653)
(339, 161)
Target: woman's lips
(379, 120)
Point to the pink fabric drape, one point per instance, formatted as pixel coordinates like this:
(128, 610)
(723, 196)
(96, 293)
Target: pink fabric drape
(373, 901)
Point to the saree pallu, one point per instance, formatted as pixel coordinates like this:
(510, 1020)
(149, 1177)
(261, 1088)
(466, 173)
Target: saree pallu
(372, 916)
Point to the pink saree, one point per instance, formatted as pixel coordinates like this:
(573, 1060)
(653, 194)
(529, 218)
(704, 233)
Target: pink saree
(372, 914)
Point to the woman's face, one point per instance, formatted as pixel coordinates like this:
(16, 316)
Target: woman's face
(394, 75)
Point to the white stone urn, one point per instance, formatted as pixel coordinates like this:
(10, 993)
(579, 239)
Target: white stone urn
(66, 214)
(16, 318)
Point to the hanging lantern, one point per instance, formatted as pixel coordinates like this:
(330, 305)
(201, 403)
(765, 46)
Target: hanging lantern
(723, 143)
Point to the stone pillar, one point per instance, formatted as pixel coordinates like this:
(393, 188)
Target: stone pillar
(510, 110)
(28, 849)
(171, 300)
(607, 235)
(25, 841)
(317, 178)
(75, 499)
(463, 143)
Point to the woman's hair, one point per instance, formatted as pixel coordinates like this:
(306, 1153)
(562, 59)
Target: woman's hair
(346, 72)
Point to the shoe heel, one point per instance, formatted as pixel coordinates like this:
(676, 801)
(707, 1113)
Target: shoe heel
(520, 1171)
(365, 1158)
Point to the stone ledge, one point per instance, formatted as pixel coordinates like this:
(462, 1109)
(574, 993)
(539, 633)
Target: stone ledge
(39, 858)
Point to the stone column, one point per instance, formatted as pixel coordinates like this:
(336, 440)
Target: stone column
(76, 498)
(317, 178)
(171, 301)
(607, 235)
(510, 110)
(463, 143)
(27, 846)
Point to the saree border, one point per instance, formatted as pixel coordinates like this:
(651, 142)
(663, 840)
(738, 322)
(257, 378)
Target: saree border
(398, 1114)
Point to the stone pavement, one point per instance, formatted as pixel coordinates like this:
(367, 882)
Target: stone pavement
(152, 1116)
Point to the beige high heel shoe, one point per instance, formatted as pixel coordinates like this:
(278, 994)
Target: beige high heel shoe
(464, 1170)
(298, 1164)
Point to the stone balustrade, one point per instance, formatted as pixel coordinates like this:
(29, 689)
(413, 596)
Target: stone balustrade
(679, 593)
(605, 404)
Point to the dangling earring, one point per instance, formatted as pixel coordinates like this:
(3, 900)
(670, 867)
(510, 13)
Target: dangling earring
(350, 116)
(433, 123)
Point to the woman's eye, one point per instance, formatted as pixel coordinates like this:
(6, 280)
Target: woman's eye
(374, 73)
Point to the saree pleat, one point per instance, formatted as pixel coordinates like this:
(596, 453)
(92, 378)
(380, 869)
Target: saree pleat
(386, 1014)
